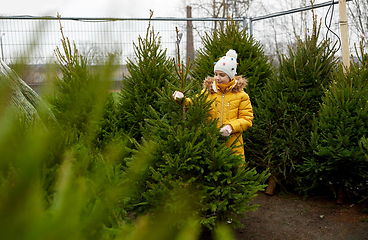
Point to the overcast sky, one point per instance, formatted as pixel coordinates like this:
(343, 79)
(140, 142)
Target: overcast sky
(116, 8)
(93, 8)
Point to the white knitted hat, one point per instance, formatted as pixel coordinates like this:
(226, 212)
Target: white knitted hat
(227, 64)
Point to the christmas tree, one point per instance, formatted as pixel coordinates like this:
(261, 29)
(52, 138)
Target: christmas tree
(339, 132)
(190, 156)
(73, 93)
(253, 64)
(286, 108)
(150, 69)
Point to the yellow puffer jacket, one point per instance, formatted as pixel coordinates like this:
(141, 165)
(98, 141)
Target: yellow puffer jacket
(231, 108)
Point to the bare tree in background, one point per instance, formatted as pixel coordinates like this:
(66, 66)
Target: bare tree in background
(221, 8)
(214, 9)
(278, 33)
(97, 54)
(359, 19)
(302, 20)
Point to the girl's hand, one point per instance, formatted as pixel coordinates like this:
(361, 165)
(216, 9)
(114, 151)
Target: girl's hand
(178, 95)
(226, 131)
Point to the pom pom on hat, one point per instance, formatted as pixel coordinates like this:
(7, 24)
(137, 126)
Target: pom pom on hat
(232, 53)
(227, 64)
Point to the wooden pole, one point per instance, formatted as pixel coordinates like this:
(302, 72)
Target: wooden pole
(270, 190)
(190, 45)
(344, 35)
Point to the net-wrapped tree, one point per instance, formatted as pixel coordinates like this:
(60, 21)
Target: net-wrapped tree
(23, 99)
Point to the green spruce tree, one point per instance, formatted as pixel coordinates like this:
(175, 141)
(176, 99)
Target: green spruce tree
(338, 134)
(190, 156)
(108, 127)
(82, 105)
(361, 189)
(73, 93)
(150, 69)
(253, 64)
(286, 108)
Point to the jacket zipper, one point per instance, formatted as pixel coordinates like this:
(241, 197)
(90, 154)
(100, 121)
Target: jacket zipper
(215, 109)
(222, 107)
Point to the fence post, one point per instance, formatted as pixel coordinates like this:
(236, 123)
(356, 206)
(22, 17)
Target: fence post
(250, 26)
(190, 44)
(244, 23)
(344, 35)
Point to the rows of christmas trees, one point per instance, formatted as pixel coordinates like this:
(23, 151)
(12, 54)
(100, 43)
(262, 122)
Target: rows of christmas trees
(137, 164)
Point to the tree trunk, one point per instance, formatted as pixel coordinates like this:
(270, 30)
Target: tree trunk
(270, 190)
(340, 196)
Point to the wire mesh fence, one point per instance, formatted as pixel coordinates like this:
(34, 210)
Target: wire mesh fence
(280, 30)
(34, 39)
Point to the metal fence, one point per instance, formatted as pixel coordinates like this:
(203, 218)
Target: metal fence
(34, 39)
(279, 30)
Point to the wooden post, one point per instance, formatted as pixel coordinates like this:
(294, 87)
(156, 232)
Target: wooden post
(190, 45)
(344, 35)
(270, 190)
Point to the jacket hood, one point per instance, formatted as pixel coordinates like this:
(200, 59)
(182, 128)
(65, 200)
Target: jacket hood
(210, 85)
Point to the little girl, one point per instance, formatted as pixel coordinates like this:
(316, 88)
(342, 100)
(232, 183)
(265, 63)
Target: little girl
(231, 104)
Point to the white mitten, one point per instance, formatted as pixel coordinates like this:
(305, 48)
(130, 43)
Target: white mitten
(178, 95)
(226, 131)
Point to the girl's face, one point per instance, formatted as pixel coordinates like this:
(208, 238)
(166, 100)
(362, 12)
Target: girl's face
(221, 77)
